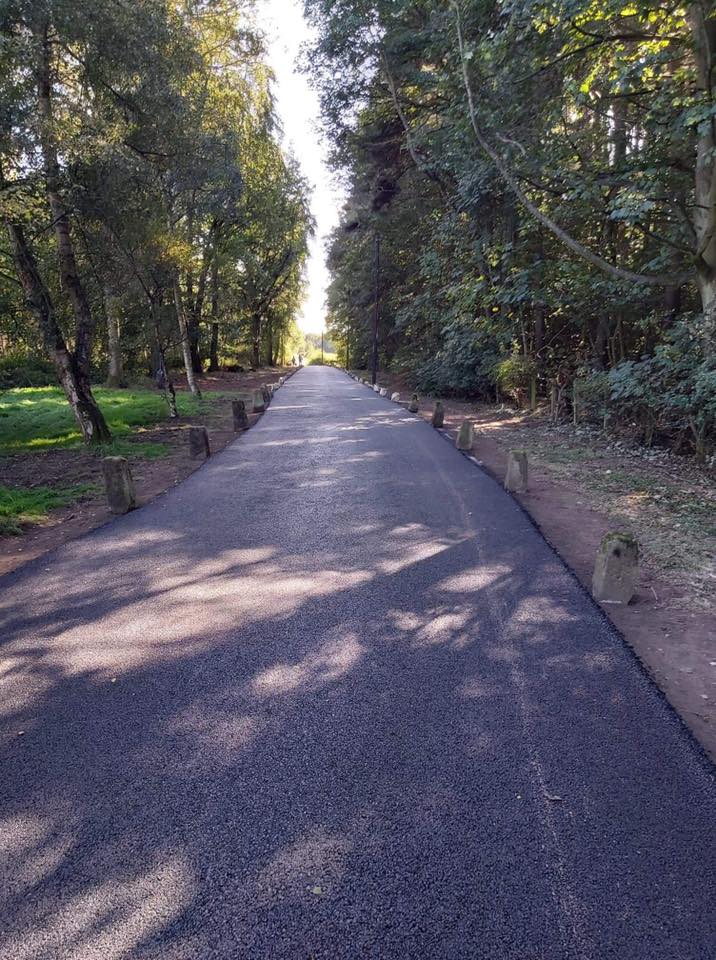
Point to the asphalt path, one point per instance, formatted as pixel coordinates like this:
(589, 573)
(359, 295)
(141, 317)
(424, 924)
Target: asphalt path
(331, 697)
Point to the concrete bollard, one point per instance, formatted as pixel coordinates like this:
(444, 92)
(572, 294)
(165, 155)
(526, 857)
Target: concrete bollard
(516, 473)
(466, 436)
(616, 569)
(383, 392)
(414, 404)
(395, 397)
(118, 485)
(259, 401)
(376, 387)
(198, 443)
(266, 394)
(238, 411)
(438, 414)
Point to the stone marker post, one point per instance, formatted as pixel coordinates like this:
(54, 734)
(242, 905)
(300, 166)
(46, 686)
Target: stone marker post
(438, 414)
(414, 404)
(516, 473)
(376, 388)
(238, 410)
(616, 569)
(118, 485)
(266, 394)
(395, 397)
(383, 392)
(198, 443)
(259, 401)
(466, 436)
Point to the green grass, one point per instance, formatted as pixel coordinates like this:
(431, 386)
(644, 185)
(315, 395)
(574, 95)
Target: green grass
(20, 505)
(39, 418)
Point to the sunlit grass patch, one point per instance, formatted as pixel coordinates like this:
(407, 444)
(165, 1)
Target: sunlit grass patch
(19, 505)
(33, 419)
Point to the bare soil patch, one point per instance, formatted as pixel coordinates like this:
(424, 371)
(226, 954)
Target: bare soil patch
(152, 477)
(584, 483)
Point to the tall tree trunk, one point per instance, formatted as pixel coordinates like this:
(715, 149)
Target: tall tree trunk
(84, 323)
(214, 346)
(115, 376)
(75, 385)
(256, 340)
(269, 344)
(703, 32)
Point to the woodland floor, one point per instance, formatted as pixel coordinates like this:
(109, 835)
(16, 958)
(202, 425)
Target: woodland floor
(584, 483)
(56, 467)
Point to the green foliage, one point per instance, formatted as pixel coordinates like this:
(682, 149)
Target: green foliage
(673, 391)
(565, 214)
(20, 505)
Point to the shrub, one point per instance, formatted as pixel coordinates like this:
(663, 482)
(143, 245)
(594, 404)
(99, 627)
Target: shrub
(24, 371)
(673, 391)
(514, 375)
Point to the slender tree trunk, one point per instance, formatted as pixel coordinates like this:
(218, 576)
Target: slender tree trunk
(256, 338)
(703, 31)
(84, 323)
(269, 345)
(214, 345)
(75, 385)
(184, 334)
(161, 371)
(115, 376)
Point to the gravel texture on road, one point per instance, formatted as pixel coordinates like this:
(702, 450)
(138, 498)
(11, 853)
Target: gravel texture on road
(334, 697)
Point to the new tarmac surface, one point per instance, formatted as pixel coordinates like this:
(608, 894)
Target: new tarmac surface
(335, 697)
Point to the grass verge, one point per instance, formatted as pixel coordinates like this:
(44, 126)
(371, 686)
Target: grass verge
(19, 505)
(34, 419)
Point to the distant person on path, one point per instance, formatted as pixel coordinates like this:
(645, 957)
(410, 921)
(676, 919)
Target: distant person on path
(300, 359)
(293, 360)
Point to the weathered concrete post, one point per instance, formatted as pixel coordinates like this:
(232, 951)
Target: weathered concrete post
(259, 401)
(376, 388)
(516, 473)
(395, 397)
(438, 414)
(414, 404)
(383, 392)
(118, 484)
(466, 436)
(238, 410)
(616, 569)
(198, 443)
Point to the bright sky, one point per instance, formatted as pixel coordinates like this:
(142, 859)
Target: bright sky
(298, 108)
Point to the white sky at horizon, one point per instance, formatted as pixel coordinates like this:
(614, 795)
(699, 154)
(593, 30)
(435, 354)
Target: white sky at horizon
(286, 30)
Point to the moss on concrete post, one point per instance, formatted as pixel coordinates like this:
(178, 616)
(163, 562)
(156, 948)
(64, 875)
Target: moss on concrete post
(198, 443)
(438, 418)
(466, 436)
(238, 411)
(414, 404)
(616, 569)
(118, 485)
(516, 473)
